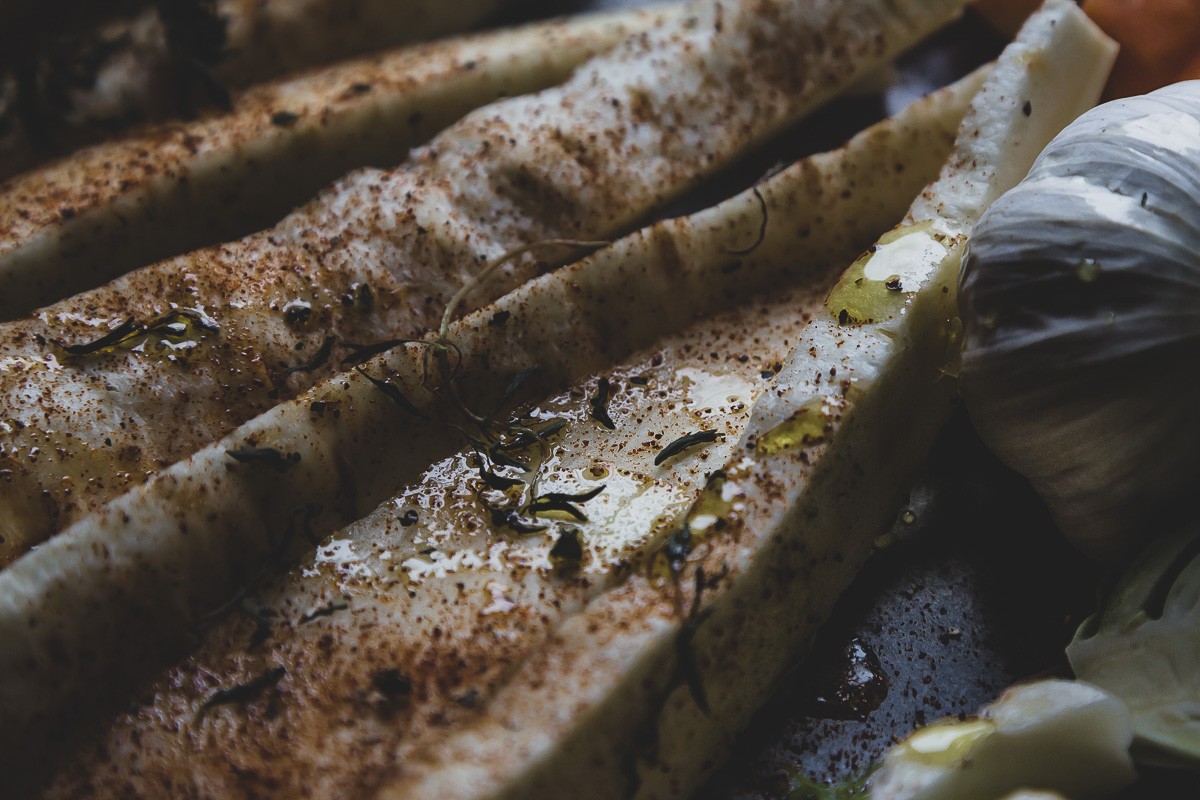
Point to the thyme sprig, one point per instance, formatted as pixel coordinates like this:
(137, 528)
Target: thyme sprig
(495, 264)
(172, 329)
(762, 227)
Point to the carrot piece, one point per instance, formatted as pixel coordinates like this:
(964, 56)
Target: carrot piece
(1160, 42)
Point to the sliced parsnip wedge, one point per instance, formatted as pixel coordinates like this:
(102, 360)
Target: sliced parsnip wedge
(128, 70)
(1065, 736)
(84, 220)
(192, 536)
(101, 390)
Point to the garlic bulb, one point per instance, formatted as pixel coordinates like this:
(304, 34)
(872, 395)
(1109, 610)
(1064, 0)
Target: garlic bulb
(1080, 299)
(1065, 736)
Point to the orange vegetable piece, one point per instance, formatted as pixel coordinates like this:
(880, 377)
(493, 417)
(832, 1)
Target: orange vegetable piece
(1160, 39)
(1160, 42)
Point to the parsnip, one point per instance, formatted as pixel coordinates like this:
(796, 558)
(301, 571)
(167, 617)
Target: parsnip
(606, 707)
(139, 76)
(84, 220)
(630, 682)
(644, 293)
(379, 255)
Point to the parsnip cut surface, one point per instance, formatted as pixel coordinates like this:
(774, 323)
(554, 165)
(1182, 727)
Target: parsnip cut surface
(633, 694)
(84, 220)
(205, 529)
(222, 334)
(397, 631)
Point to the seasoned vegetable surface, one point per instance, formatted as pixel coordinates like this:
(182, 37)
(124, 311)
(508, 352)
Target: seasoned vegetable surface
(219, 333)
(101, 212)
(358, 448)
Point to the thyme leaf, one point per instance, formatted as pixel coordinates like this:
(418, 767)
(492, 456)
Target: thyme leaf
(268, 456)
(318, 360)
(543, 505)
(242, 692)
(685, 442)
(563, 503)
(599, 404)
(393, 393)
(516, 383)
(581, 497)
(498, 457)
(509, 518)
(108, 341)
(175, 330)
(526, 437)
(324, 611)
(498, 482)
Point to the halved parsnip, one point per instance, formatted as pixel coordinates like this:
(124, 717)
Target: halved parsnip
(97, 214)
(630, 698)
(133, 68)
(236, 328)
(467, 667)
(191, 536)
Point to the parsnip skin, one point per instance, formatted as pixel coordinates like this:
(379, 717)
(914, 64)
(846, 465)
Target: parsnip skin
(138, 81)
(84, 220)
(338, 703)
(628, 132)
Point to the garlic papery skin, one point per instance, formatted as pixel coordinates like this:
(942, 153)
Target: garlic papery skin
(1057, 736)
(1080, 300)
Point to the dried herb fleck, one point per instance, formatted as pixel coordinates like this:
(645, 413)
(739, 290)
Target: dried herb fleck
(324, 611)
(510, 518)
(546, 505)
(563, 503)
(599, 404)
(526, 437)
(685, 442)
(498, 456)
(267, 456)
(498, 482)
(581, 497)
(393, 393)
(242, 692)
(317, 361)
